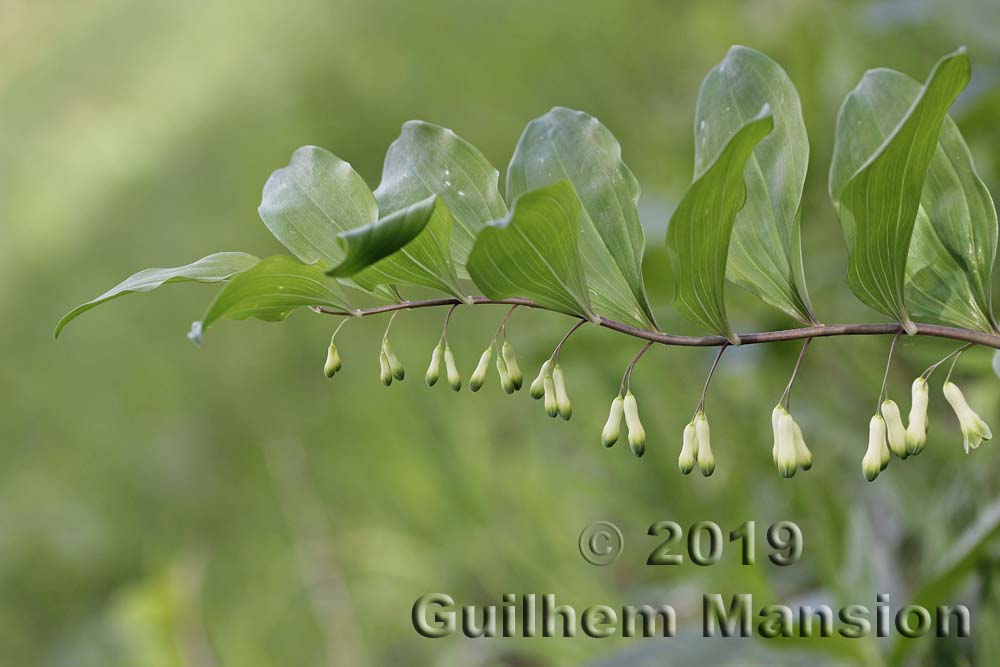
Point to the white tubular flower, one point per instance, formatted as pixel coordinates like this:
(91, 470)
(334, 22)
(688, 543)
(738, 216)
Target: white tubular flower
(895, 431)
(451, 369)
(506, 383)
(787, 459)
(563, 403)
(974, 429)
(706, 460)
(434, 370)
(775, 419)
(636, 432)
(916, 429)
(803, 456)
(689, 450)
(613, 427)
(551, 406)
(478, 376)
(516, 376)
(537, 389)
(395, 367)
(871, 464)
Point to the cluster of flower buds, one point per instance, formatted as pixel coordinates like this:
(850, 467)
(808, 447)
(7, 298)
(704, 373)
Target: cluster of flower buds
(511, 377)
(333, 363)
(550, 384)
(696, 447)
(389, 365)
(789, 451)
(443, 353)
(625, 406)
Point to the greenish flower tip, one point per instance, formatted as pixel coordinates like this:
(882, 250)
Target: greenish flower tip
(563, 404)
(549, 391)
(689, 450)
(706, 459)
(434, 370)
(636, 433)
(916, 428)
(895, 431)
(877, 455)
(510, 359)
(613, 427)
(974, 429)
(451, 369)
(506, 383)
(789, 450)
(384, 370)
(479, 375)
(333, 363)
(537, 388)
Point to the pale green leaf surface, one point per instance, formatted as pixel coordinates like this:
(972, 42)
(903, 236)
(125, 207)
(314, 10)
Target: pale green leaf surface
(533, 252)
(430, 160)
(270, 291)
(572, 145)
(408, 247)
(214, 268)
(307, 204)
(765, 255)
(877, 194)
(700, 229)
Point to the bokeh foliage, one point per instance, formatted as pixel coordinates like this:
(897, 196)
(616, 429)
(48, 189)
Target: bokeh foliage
(163, 505)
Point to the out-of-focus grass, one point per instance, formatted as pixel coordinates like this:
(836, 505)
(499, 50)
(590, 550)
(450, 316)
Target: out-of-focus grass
(163, 505)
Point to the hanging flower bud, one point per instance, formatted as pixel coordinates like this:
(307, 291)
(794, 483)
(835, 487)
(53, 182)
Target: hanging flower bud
(613, 427)
(803, 456)
(562, 398)
(916, 429)
(706, 460)
(551, 405)
(636, 433)
(505, 382)
(775, 420)
(537, 389)
(332, 364)
(895, 431)
(385, 373)
(516, 376)
(434, 370)
(479, 375)
(974, 429)
(689, 450)
(871, 464)
(394, 366)
(454, 377)
(787, 461)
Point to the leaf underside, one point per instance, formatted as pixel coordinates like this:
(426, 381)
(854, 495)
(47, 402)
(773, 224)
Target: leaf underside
(700, 229)
(878, 194)
(572, 145)
(533, 252)
(211, 269)
(765, 254)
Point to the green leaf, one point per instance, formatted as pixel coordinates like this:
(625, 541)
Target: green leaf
(765, 253)
(270, 291)
(533, 252)
(877, 194)
(307, 204)
(572, 145)
(212, 269)
(430, 160)
(700, 229)
(409, 247)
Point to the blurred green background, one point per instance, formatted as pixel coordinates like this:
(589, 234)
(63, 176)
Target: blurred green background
(164, 505)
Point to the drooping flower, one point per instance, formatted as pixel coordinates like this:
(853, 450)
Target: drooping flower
(613, 427)
(784, 438)
(551, 405)
(872, 463)
(434, 370)
(689, 450)
(895, 431)
(506, 383)
(706, 459)
(974, 429)
(516, 376)
(384, 371)
(803, 456)
(636, 432)
(395, 367)
(563, 404)
(333, 363)
(478, 376)
(916, 429)
(451, 369)
(537, 388)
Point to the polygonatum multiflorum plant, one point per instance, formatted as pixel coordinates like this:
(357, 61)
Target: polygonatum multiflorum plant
(920, 227)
